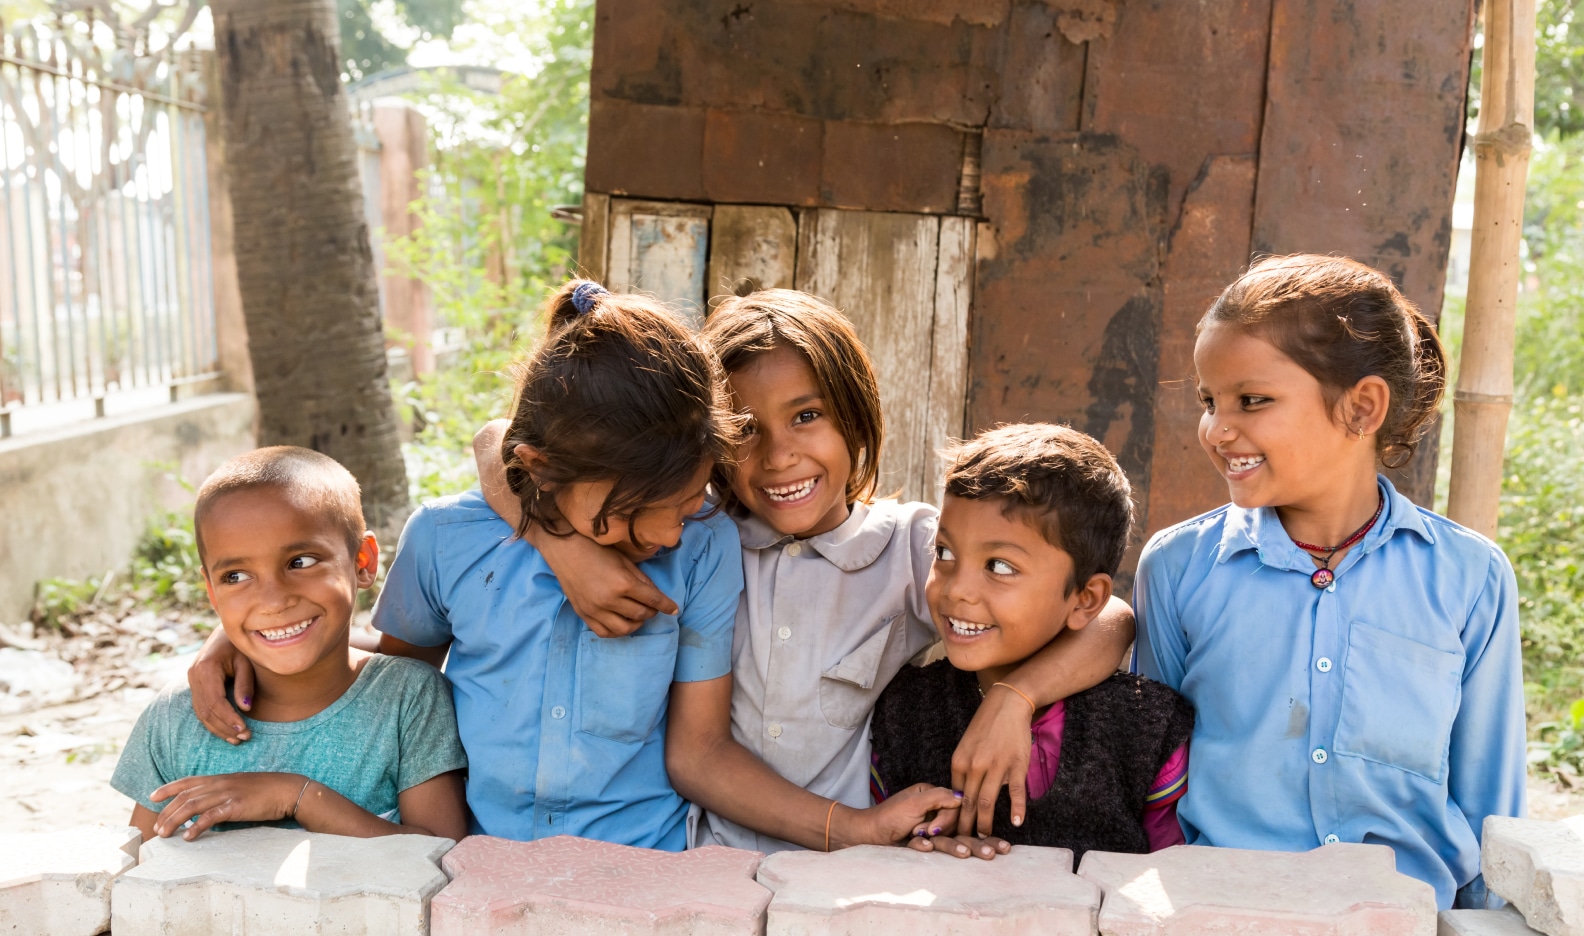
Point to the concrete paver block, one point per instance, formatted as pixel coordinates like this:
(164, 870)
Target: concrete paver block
(1508, 922)
(59, 882)
(565, 886)
(1334, 890)
(251, 882)
(1539, 867)
(875, 889)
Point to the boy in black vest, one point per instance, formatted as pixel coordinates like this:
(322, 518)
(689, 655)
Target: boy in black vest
(1034, 525)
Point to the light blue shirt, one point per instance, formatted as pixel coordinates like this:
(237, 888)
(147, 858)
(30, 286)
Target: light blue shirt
(564, 731)
(1386, 709)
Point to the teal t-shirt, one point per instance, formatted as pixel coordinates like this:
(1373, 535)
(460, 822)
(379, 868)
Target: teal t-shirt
(391, 730)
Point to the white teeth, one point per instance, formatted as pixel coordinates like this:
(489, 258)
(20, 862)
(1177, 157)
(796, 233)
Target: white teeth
(1244, 464)
(790, 492)
(282, 633)
(967, 628)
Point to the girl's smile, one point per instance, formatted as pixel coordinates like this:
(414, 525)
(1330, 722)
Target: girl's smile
(793, 466)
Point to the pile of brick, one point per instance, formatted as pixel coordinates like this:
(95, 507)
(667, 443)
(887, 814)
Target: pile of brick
(266, 880)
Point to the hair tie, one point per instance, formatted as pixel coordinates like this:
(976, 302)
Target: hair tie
(584, 297)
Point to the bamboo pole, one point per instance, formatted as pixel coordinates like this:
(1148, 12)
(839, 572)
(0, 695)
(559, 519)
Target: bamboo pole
(1484, 395)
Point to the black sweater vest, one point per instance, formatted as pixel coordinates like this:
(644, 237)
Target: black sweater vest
(1115, 739)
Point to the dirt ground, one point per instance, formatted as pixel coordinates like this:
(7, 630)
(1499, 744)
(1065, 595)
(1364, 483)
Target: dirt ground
(56, 759)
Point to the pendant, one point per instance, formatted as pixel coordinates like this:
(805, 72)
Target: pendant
(1322, 578)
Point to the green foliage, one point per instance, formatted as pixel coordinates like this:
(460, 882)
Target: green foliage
(365, 50)
(1559, 746)
(488, 248)
(1559, 70)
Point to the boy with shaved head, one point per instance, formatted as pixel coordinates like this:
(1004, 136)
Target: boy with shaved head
(343, 741)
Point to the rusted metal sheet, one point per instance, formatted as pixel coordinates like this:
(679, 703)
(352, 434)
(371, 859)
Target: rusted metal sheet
(1364, 119)
(1182, 82)
(1067, 297)
(1209, 247)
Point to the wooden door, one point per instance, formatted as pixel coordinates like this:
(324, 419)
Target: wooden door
(905, 281)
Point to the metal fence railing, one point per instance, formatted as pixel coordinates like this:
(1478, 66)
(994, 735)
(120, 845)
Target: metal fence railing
(105, 263)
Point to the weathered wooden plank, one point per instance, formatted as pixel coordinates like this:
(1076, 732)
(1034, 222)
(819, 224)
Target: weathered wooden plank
(1364, 121)
(594, 236)
(1208, 249)
(660, 248)
(948, 392)
(879, 268)
(752, 242)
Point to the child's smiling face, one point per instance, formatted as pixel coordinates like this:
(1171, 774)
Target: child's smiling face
(282, 578)
(998, 590)
(1267, 426)
(793, 467)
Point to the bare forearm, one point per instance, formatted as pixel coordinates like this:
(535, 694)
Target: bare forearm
(322, 809)
(1077, 659)
(730, 781)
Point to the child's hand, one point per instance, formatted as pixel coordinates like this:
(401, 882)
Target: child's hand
(993, 752)
(238, 797)
(207, 677)
(962, 846)
(903, 815)
(610, 593)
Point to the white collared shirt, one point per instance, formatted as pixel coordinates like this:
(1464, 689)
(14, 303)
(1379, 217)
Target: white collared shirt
(823, 625)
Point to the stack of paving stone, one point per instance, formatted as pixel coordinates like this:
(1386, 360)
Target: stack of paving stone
(262, 880)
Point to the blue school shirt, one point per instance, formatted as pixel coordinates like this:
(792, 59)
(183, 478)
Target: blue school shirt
(564, 731)
(1386, 709)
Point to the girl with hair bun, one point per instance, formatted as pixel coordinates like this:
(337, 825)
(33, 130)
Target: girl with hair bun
(1353, 659)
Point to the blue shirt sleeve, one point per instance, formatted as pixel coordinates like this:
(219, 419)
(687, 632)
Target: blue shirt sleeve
(1161, 647)
(409, 607)
(1487, 769)
(715, 583)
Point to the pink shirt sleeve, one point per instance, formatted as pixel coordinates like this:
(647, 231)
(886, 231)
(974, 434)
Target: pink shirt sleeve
(1160, 804)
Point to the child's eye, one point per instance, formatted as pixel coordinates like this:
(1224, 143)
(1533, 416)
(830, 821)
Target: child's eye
(750, 428)
(1000, 567)
(302, 562)
(234, 578)
(943, 554)
(1208, 403)
(1251, 401)
(806, 416)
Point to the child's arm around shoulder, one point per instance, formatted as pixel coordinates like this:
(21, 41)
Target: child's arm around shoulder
(609, 592)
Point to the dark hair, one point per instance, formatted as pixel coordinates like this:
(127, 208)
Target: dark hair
(317, 482)
(622, 391)
(1059, 480)
(743, 327)
(1342, 321)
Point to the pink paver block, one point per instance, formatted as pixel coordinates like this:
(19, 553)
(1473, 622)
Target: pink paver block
(567, 886)
(1334, 890)
(873, 889)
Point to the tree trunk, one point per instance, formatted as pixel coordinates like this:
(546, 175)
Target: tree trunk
(304, 265)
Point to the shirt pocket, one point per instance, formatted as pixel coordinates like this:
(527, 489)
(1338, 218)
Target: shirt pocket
(623, 682)
(847, 690)
(1399, 699)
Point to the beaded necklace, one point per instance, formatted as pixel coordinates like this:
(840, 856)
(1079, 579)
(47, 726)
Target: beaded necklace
(1323, 576)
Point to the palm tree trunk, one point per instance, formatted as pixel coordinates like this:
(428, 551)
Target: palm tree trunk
(304, 265)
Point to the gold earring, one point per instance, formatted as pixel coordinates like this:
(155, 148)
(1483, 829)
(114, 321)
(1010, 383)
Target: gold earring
(1360, 431)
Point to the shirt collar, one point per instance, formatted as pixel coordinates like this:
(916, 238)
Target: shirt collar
(855, 544)
(1261, 530)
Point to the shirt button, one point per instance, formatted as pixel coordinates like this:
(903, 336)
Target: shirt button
(784, 633)
(1331, 587)
(794, 549)
(1331, 840)
(1318, 755)
(558, 712)
(1323, 664)
(774, 730)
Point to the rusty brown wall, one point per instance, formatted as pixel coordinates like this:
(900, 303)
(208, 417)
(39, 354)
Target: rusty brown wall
(1133, 154)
